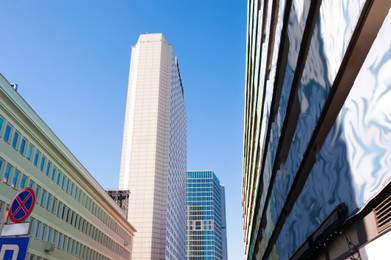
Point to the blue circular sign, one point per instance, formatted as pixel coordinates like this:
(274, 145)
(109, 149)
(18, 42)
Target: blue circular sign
(22, 204)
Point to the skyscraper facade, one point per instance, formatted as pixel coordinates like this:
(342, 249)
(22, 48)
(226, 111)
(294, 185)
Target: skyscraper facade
(205, 217)
(316, 162)
(153, 162)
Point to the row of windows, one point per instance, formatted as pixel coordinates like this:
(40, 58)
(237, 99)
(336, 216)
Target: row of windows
(200, 242)
(47, 234)
(30, 256)
(203, 248)
(39, 160)
(56, 207)
(199, 175)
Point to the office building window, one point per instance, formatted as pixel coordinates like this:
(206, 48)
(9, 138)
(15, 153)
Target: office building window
(53, 173)
(22, 181)
(48, 167)
(15, 178)
(29, 152)
(58, 178)
(43, 197)
(42, 164)
(7, 173)
(36, 157)
(1, 166)
(22, 146)
(15, 140)
(7, 133)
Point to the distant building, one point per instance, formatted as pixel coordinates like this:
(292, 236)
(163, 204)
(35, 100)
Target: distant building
(317, 130)
(73, 218)
(121, 197)
(153, 163)
(205, 216)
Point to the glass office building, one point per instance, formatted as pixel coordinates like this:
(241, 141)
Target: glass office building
(206, 225)
(153, 163)
(317, 139)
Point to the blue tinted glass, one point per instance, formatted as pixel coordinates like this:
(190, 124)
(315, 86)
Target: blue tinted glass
(48, 168)
(36, 157)
(22, 146)
(37, 191)
(7, 133)
(7, 173)
(42, 163)
(1, 122)
(43, 197)
(63, 182)
(58, 178)
(23, 181)
(15, 179)
(15, 140)
(29, 152)
(53, 173)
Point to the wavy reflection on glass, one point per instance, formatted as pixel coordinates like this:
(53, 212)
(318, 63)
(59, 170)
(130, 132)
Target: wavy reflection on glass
(297, 20)
(354, 163)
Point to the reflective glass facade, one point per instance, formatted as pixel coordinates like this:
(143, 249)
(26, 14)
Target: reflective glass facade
(317, 130)
(206, 227)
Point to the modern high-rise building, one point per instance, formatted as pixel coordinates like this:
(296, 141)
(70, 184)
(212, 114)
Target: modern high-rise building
(205, 217)
(73, 218)
(153, 163)
(317, 131)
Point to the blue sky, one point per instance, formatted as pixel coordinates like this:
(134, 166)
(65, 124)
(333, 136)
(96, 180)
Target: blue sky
(71, 62)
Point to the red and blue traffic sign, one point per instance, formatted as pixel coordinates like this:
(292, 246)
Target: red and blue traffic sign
(22, 204)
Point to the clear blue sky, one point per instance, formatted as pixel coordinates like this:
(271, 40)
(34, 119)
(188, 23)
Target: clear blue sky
(71, 62)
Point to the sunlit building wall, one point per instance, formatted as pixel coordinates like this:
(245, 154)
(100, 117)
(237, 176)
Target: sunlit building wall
(316, 162)
(153, 163)
(205, 216)
(74, 217)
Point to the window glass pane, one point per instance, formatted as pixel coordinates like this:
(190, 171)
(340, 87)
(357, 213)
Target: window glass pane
(48, 201)
(36, 157)
(54, 236)
(63, 182)
(29, 152)
(54, 206)
(15, 178)
(42, 231)
(48, 234)
(7, 133)
(1, 122)
(1, 166)
(15, 140)
(36, 229)
(53, 173)
(31, 185)
(22, 146)
(22, 181)
(43, 197)
(48, 166)
(42, 164)
(37, 192)
(7, 173)
(58, 178)
(67, 186)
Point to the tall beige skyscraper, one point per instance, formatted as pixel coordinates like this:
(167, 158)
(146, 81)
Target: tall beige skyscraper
(153, 162)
